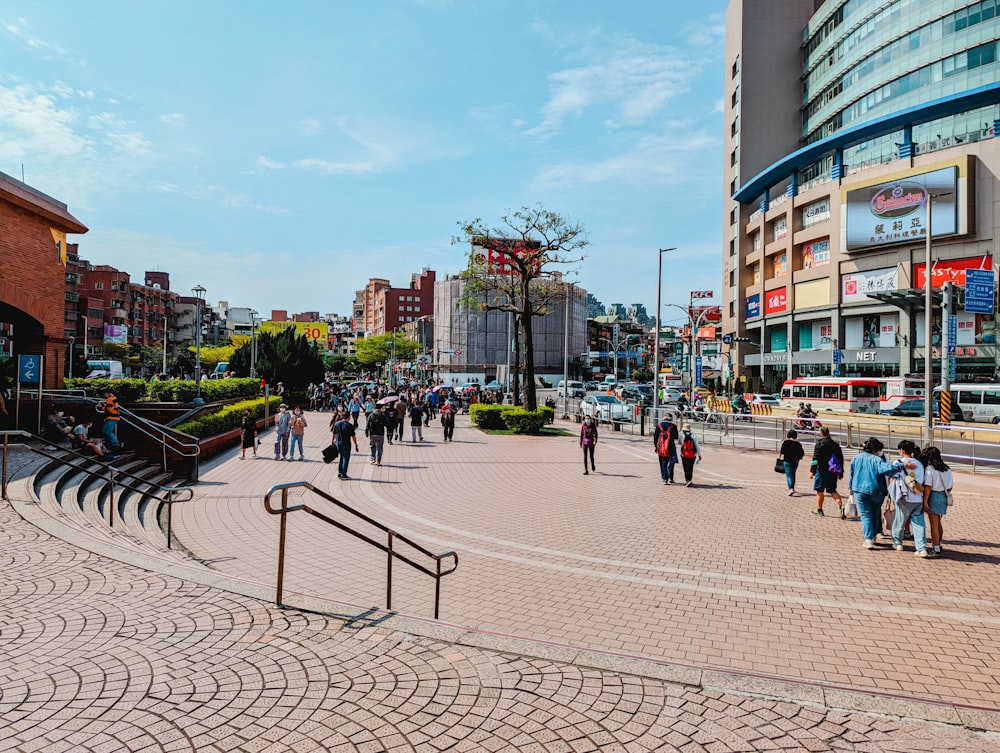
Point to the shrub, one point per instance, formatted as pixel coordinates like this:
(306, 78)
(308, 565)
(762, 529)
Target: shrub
(126, 390)
(489, 416)
(227, 418)
(522, 421)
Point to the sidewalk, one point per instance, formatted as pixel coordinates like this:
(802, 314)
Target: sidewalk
(98, 655)
(729, 575)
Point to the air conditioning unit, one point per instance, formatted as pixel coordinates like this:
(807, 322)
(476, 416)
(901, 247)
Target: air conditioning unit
(3, 340)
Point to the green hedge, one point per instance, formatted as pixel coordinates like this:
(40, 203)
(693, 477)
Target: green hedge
(169, 391)
(523, 421)
(487, 416)
(227, 417)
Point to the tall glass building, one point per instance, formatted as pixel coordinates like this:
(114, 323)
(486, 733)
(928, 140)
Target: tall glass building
(845, 122)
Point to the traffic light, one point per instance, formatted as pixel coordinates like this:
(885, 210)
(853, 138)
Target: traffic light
(744, 340)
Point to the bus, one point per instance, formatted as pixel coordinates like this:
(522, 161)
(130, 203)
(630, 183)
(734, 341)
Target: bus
(979, 402)
(847, 394)
(894, 390)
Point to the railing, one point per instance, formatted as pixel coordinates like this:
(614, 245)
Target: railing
(392, 537)
(67, 455)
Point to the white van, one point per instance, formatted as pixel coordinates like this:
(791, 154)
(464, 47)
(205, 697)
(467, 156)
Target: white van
(576, 389)
(105, 369)
(979, 402)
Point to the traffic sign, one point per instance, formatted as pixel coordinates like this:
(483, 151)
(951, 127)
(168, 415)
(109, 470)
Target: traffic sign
(698, 371)
(838, 358)
(29, 369)
(423, 361)
(951, 368)
(727, 339)
(458, 351)
(979, 291)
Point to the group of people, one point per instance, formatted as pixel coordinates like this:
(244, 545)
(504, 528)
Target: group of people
(61, 427)
(386, 413)
(892, 498)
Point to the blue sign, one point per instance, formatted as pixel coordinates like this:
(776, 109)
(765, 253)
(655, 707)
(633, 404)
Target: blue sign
(838, 357)
(951, 368)
(952, 334)
(753, 306)
(979, 291)
(603, 354)
(697, 371)
(727, 339)
(836, 372)
(29, 369)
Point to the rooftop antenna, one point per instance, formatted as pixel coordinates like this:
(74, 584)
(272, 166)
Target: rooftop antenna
(22, 172)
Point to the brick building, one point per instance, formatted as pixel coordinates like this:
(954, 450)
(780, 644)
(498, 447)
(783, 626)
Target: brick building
(385, 308)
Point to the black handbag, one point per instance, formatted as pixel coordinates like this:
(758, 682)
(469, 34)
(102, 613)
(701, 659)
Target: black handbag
(779, 466)
(330, 454)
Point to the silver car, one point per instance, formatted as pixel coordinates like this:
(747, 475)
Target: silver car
(605, 408)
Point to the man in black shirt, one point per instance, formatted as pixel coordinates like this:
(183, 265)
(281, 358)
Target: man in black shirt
(375, 430)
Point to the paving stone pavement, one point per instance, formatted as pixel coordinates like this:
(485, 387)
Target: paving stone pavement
(99, 655)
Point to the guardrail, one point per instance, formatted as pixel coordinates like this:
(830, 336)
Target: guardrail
(389, 547)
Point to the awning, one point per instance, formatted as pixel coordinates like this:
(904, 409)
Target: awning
(910, 300)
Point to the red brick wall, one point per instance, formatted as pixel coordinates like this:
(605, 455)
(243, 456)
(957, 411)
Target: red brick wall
(33, 280)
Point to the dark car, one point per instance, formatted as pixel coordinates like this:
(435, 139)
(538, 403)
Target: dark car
(915, 409)
(638, 393)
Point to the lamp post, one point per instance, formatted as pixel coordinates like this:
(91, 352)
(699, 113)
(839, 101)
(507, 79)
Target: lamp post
(565, 395)
(928, 303)
(656, 337)
(694, 324)
(72, 340)
(199, 293)
(253, 343)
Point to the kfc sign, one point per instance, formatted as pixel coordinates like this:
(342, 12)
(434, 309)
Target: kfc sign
(949, 271)
(777, 301)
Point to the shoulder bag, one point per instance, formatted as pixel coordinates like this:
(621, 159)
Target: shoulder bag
(779, 465)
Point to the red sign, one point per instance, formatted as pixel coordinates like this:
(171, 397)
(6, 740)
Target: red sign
(705, 313)
(501, 253)
(949, 271)
(776, 301)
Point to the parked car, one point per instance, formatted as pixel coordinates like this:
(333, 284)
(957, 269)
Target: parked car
(575, 388)
(593, 386)
(605, 408)
(761, 399)
(638, 393)
(915, 409)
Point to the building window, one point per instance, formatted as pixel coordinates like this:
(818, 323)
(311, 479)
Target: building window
(736, 66)
(98, 286)
(734, 157)
(736, 96)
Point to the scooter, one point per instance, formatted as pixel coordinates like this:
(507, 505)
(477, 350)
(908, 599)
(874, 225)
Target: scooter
(808, 423)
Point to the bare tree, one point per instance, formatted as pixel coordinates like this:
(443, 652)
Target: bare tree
(517, 266)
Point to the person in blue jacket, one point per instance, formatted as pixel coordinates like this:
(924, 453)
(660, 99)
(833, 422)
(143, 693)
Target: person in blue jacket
(867, 481)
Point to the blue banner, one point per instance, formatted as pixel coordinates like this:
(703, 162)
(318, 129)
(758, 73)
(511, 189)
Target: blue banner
(753, 306)
(979, 291)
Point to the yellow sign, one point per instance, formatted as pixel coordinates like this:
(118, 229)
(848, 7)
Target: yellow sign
(317, 332)
(60, 239)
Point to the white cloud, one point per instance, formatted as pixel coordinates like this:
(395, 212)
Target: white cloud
(269, 164)
(34, 127)
(37, 45)
(174, 119)
(333, 167)
(310, 126)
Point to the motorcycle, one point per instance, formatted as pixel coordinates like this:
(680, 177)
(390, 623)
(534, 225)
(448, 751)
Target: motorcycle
(808, 423)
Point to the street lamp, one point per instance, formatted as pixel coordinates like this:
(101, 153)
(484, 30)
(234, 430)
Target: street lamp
(656, 339)
(694, 324)
(565, 395)
(253, 344)
(928, 301)
(199, 293)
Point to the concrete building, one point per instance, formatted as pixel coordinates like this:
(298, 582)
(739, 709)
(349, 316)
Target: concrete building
(384, 308)
(844, 121)
(473, 346)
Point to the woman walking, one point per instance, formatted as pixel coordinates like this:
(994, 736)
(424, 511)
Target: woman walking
(938, 481)
(867, 481)
(791, 453)
(588, 441)
(690, 454)
(298, 429)
(248, 433)
(826, 469)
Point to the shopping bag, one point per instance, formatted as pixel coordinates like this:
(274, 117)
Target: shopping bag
(852, 508)
(779, 466)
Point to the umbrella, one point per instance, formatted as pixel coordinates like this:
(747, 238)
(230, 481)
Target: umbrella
(437, 387)
(388, 399)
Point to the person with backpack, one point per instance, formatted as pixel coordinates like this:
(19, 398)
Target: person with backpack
(343, 435)
(665, 441)
(791, 453)
(690, 454)
(375, 429)
(826, 469)
(588, 441)
(448, 411)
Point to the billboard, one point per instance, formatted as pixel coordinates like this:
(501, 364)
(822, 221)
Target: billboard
(777, 301)
(115, 334)
(855, 286)
(952, 270)
(494, 256)
(896, 211)
(753, 306)
(816, 254)
(317, 332)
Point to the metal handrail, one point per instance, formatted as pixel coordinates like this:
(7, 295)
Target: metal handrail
(169, 491)
(437, 573)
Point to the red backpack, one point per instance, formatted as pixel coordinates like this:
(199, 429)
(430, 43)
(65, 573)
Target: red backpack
(663, 442)
(688, 449)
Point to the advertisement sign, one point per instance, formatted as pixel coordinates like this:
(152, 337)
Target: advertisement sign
(950, 271)
(816, 254)
(115, 334)
(495, 256)
(780, 228)
(706, 333)
(701, 294)
(317, 332)
(753, 306)
(818, 211)
(855, 286)
(896, 211)
(777, 301)
(781, 265)
(705, 313)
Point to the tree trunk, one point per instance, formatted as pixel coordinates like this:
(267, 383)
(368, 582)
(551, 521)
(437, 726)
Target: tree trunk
(531, 401)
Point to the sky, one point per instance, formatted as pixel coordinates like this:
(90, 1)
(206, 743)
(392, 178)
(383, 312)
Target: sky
(280, 155)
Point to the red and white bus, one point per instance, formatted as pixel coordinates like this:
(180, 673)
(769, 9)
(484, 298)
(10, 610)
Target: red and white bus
(846, 394)
(894, 390)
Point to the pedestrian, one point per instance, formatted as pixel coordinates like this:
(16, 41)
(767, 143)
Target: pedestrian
(375, 428)
(248, 433)
(354, 406)
(297, 427)
(908, 494)
(343, 436)
(938, 482)
(826, 469)
(400, 415)
(791, 453)
(690, 454)
(390, 420)
(282, 424)
(665, 437)
(448, 412)
(416, 422)
(588, 441)
(867, 481)
(112, 414)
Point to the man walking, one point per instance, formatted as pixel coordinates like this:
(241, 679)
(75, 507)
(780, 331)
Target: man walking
(416, 422)
(665, 441)
(375, 429)
(112, 414)
(282, 428)
(343, 435)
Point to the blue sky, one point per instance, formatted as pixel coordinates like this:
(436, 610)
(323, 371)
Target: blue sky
(280, 155)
